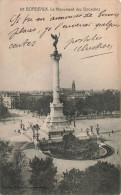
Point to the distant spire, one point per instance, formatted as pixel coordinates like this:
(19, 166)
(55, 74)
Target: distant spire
(73, 86)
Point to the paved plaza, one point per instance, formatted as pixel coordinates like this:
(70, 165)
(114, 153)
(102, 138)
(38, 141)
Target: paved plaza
(9, 131)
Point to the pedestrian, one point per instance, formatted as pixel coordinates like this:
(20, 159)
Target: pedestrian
(109, 134)
(112, 131)
(91, 127)
(87, 130)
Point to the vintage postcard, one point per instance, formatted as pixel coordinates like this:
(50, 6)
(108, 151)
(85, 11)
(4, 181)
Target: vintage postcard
(60, 97)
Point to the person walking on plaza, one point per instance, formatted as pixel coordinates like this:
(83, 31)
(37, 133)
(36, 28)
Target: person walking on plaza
(87, 130)
(98, 129)
(91, 127)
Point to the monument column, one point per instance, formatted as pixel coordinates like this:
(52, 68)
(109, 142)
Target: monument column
(55, 123)
(56, 80)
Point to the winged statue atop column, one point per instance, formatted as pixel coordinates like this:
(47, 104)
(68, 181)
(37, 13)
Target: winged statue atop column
(55, 37)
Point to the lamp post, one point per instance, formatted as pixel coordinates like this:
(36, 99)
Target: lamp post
(33, 129)
(37, 135)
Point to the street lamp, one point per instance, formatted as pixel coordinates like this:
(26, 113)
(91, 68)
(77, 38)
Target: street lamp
(35, 129)
(37, 135)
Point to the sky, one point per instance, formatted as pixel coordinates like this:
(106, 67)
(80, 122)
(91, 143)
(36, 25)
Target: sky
(30, 68)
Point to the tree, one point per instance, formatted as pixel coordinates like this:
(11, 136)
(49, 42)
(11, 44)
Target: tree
(95, 103)
(5, 150)
(43, 173)
(18, 160)
(43, 105)
(70, 140)
(102, 178)
(81, 106)
(69, 108)
(72, 182)
(3, 111)
(117, 101)
(10, 178)
(11, 164)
